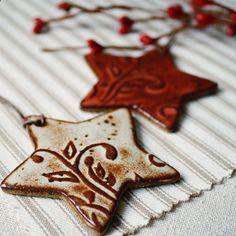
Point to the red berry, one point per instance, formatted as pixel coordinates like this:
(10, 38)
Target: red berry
(125, 29)
(201, 3)
(175, 11)
(231, 30)
(126, 21)
(203, 19)
(92, 43)
(65, 6)
(233, 16)
(38, 20)
(146, 39)
(126, 25)
(94, 46)
(39, 25)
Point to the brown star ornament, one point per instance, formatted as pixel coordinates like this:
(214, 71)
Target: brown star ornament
(88, 164)
(150, 84)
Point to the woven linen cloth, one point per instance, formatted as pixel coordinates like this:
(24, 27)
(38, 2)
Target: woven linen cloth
(203, 150)
(212, 214)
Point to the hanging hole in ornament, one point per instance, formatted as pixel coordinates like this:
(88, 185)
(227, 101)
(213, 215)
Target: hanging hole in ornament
(39, 121)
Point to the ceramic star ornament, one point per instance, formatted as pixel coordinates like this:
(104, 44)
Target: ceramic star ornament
(88, 164)
(150, 84)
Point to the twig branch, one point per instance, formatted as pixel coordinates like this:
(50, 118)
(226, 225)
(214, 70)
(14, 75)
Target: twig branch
(223, 6)
(175, 31)
(66, 48)
(76, 48)
(96, 11)
(151, 18)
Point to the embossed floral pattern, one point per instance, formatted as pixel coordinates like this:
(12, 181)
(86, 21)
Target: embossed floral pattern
(88, 166)
(150, 84)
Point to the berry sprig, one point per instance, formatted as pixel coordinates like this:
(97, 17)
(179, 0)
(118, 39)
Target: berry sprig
(145, 39)
(43, 25)
(204, 17)
(94, 47)
(199, 18)
(126, 23)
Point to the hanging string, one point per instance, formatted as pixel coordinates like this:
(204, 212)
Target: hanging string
(10, 104)
(40, 121)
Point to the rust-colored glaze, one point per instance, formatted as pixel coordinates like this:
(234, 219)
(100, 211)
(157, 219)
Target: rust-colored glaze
(90, 195)
(90, 174)
(150, 84)
(124, 152)
(111, 179)
(100, 172)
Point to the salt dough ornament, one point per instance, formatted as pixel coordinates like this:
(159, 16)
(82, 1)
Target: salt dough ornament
(88, 164)
(150, 84)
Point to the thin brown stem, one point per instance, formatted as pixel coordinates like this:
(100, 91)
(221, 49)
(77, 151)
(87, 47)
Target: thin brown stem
(95, 11)
(61, 18)
(171, 34)
(184, 27)
(151, 18)
(224, 21)
(223, 6)
(66, 48)
(175, 31)
(112, 7)
(216, 15)
(213, 12)
(76, 48)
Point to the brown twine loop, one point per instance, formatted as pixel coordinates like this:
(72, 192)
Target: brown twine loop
(40, 122)
(10, 104)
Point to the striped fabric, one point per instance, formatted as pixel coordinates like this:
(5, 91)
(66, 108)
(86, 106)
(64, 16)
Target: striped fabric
(203, 150)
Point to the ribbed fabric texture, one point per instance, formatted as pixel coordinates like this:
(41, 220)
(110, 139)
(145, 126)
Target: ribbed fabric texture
(203, 150)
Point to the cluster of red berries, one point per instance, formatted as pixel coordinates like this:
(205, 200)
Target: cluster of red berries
(198, 17)
(177, 12)
(204, 19)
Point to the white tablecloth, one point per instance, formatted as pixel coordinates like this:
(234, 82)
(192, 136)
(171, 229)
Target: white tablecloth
(203, 150)
(211, 214)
